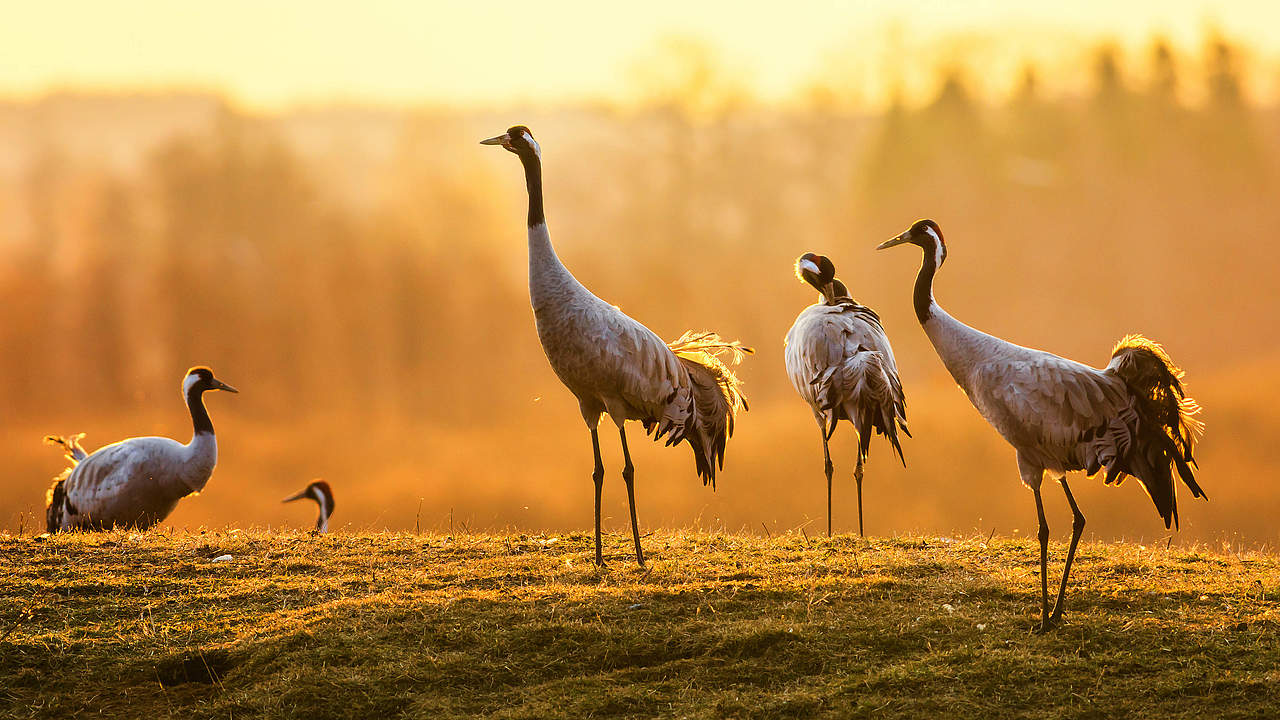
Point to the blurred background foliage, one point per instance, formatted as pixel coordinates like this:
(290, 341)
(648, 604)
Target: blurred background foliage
(359, 273)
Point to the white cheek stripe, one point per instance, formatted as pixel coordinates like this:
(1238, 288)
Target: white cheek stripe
(529, 139)
(323, 501)
(937, 246)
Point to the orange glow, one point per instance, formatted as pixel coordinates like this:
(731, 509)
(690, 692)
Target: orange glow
(293, 193)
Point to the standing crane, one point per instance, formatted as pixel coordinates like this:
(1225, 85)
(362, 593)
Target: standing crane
(323, 495)
(137, 482)
(1131, 417)
(613, 364)
(839, 360)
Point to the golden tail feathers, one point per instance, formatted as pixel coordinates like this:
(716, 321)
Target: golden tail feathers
(717, 396)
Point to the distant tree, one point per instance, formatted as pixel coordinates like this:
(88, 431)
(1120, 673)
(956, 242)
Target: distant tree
(1037, 130)
(1163, 89)
(237, 212)
(1109, 87)
(1115, 117)
(1232, 150)
(954, 100)
(1222, 75)
(109, 265)
(33, 331)
(892, 158)
(1027, 93)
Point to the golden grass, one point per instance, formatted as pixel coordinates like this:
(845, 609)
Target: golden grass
(523, 626)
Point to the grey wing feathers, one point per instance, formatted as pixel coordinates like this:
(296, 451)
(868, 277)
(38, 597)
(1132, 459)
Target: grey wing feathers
(101, 476)
(841, 363)
(865, 390)
(681, 390)
(1132, 417)
(1043, 403)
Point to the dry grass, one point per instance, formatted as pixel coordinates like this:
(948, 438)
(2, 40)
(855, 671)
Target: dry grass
(381, 625)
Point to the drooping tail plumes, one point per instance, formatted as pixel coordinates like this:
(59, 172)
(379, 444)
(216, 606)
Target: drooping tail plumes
(56, 505)
(56, 496)
(1163, 428)
(872, 396)
(716, 398)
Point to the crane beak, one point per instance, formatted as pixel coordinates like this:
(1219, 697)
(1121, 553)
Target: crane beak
(904, 237)
(299, 496)
(504, 140)
(219, 385)
(829, 291)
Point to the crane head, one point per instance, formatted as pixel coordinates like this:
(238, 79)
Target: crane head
(200, 378)
(818, 271)
(927, 235)
(323, 495)
(518, 139)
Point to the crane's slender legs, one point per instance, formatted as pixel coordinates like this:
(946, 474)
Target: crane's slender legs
(857, 476)
(1077, 528)
(1044, 561)
(628, 475)
(826, 455)
(598, 476)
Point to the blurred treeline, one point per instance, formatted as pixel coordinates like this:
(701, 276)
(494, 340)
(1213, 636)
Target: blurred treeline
(359, 274)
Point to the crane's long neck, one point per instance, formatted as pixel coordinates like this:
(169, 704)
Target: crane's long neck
(548, 277)
(533, 181)
(202, 451)
(961, 348)
(922, 298)
(201, 424)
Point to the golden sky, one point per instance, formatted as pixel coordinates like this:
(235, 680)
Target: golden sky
(273, 53)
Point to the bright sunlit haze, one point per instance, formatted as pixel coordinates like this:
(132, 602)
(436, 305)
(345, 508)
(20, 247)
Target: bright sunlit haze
(278, 54)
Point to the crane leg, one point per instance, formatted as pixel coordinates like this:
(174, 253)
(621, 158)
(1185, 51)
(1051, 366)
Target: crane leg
(598, 477)
(1077, 528)
(1044, 561)
(828, 467)
(857, 476)
(629, 476)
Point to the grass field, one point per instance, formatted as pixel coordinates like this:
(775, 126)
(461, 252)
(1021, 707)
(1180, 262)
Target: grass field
(507, 626)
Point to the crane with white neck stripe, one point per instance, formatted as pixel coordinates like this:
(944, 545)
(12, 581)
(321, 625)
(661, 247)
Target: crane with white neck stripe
(1131, 417)
(613, 364)
(136, 483)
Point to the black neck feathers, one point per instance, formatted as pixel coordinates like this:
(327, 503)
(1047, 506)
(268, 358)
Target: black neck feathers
(533, 179)
(922, 298)
(199, 416)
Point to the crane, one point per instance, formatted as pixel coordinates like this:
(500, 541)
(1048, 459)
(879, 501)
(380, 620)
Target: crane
(136, 482)
(839, 360)
(1132, 417)
(612, 364)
